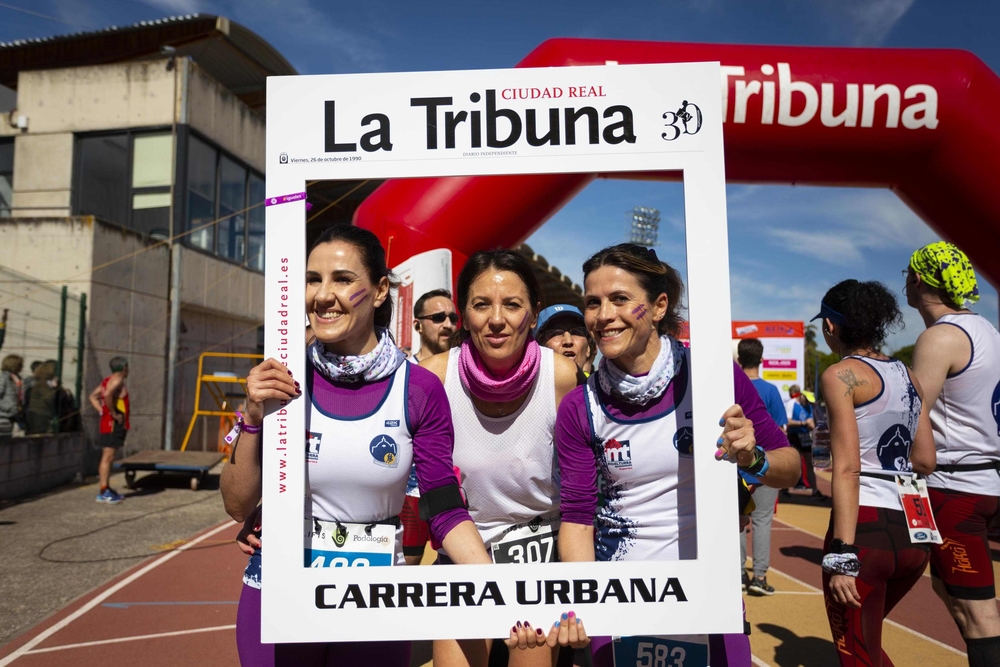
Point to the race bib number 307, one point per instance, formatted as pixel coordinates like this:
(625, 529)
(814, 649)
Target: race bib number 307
(348, 544)
(531, 544)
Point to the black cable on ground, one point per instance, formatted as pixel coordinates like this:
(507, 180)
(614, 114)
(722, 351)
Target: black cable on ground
(42, 556)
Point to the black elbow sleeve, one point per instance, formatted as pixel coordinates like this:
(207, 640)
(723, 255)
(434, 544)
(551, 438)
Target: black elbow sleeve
(441, 499)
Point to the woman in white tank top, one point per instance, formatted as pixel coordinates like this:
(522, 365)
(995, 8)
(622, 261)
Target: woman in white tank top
(504, 390)
(877, 433)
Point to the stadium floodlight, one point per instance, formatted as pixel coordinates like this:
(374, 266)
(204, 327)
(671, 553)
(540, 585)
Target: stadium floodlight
(643, 225)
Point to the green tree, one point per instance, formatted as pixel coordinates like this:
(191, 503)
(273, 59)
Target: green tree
(904, 354)
(814, 355)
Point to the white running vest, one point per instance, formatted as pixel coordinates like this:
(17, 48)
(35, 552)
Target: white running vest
(507, 463)
(886, 426)
(966, 417)
(356, 469)
(647, 474)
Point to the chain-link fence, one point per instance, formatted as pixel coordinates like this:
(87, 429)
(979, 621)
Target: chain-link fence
(45, 326)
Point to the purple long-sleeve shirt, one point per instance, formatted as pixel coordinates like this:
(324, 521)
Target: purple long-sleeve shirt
(430, 423)
(573, 438)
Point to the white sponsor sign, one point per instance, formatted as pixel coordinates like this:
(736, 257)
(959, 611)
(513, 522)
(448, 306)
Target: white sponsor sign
(606, 119)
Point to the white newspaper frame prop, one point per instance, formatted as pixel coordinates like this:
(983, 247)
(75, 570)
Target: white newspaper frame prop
(692, 596)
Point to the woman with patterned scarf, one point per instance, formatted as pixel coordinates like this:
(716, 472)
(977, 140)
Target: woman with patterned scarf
(369, 411)
(633, 418)
(504, 391)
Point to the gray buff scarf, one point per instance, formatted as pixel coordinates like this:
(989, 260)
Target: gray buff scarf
(640, 390)
(378, 364)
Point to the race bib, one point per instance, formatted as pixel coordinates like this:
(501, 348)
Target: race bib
(535, 543)
(917, 508)
(349, 544)
(674, 651)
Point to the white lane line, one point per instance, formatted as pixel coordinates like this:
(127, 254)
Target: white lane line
(48, 632)
(135, 638)
(792, 526)
(890, 622)
(757, 661)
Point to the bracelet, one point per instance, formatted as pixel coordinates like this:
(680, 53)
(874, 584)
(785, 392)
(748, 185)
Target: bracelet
(241, 427)
(845, 564)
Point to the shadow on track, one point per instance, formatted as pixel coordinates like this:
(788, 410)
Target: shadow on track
(795, 651)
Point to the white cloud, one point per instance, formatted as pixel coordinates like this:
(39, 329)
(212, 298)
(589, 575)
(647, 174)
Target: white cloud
(868, 21)
(831, 225)
(174, 7)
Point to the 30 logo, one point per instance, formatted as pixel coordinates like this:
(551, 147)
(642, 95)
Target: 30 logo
(686, 120)
(283, 158)
(618, 454)
(684, 441)
(385, 451)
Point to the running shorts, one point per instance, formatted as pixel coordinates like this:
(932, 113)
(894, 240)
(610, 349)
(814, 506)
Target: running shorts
(415, 531)
(115, 439)
(963, 562)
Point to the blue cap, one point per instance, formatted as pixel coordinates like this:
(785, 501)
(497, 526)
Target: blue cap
(558, 309)
(826, 312)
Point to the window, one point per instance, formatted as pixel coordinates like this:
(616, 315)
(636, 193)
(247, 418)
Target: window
(102, 177)
(152, 174)
(225, 212)
(7, 177)
(232, 213)
(255, 242)
(202, 160)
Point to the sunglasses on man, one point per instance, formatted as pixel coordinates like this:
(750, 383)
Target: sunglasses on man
(438, 318)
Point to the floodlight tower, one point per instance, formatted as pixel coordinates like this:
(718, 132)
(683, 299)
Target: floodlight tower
(643, 225)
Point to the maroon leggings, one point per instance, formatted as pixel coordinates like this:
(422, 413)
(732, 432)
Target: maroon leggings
(890, 566)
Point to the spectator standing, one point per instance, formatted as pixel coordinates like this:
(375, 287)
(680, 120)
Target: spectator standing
(42, 411)
(957, 362)
(434, 318)
(10, 394)
(749, 353)
(111, 399)
(561, 329)
(800, 426)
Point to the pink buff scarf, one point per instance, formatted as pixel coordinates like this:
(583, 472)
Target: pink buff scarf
(486, 386)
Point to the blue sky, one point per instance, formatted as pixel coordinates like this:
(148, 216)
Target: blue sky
(789, 244)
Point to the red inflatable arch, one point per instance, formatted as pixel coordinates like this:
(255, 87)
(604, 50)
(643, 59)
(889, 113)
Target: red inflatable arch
(921, 122)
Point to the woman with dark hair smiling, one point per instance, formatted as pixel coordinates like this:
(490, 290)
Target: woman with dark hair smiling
(878, 438)
(366, 406)
(504, 391)
(630, 424)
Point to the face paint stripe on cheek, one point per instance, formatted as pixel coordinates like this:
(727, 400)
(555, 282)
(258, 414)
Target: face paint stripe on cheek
(637, 308)
(641, 314)
(524, 323)
(358, 295)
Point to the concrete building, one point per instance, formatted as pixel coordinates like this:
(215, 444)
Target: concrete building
(132, 171)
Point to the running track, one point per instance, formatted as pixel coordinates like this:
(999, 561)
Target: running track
(180, 609)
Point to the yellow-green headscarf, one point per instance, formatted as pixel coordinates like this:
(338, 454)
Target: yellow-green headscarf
(943, 266)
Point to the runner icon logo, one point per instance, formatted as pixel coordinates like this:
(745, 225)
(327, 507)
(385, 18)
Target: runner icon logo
(684, 441)
(385, 451)
(893, 449)
(618, 454)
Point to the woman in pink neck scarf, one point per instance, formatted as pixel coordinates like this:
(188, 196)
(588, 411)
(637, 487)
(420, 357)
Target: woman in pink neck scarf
(504, 390)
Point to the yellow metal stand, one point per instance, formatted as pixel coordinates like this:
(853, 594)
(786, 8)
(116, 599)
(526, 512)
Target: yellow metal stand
(213, 383)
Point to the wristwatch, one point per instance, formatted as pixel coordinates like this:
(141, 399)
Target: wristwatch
(838, 546)
(760, 465)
